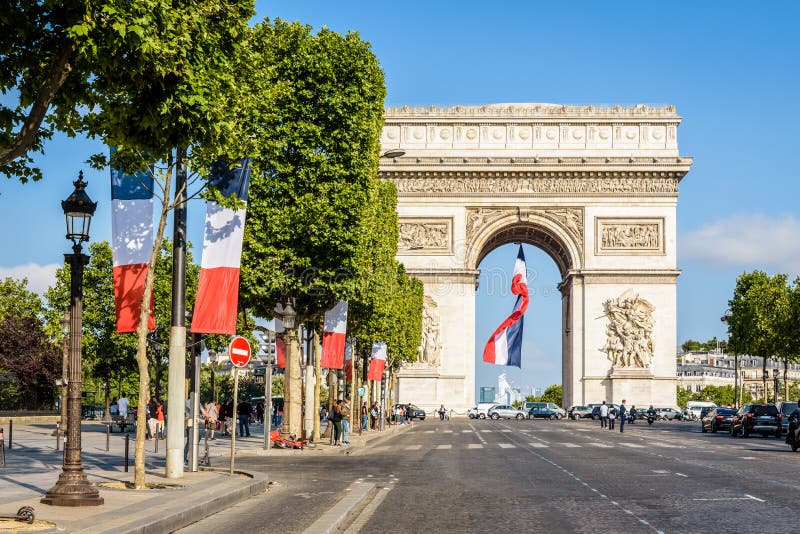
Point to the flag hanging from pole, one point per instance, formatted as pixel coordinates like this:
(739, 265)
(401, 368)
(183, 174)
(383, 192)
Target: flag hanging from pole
(334, 336)
(505, 345)
(377, 362)
(218, 290)
(348, 360)
(280, 345)
(132, 245)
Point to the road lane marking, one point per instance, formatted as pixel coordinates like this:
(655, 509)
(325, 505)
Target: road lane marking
(681, 475)
(466, 431)
(413, 447)
(447, 431)
(603, 445)
(571, 445)
(430, 431)
(506, 445)
(745, 498)
(505, 430)
(538, 445)
(634, 445)
(486, 431)
(475, 446)
(442, 447)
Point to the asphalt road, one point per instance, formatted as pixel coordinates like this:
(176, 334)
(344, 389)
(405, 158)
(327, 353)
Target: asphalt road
(535, 476)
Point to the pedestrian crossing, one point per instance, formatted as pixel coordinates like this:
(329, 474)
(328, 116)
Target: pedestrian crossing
(533, 444)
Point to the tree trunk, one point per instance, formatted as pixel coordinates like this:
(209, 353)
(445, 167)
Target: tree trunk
(141, 331)
(294, 388)
(317, 383)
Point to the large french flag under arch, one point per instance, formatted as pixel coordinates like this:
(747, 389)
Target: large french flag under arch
(505, 345)
(334, 336)
(132, 244)
(218, 290)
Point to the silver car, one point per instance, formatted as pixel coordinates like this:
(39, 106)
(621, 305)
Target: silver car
(504, 411)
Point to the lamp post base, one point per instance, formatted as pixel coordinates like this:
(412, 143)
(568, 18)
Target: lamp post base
(72, 489)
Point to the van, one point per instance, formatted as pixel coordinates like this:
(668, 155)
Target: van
(696, 407)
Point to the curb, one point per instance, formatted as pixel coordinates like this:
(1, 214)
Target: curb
(205, 502)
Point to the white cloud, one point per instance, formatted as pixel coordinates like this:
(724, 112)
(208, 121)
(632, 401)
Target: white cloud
(40, 277)
(746, 240)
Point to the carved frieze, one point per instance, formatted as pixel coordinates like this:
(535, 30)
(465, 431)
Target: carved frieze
(426, 236)
(528, 185)
(629, 236)
(430, 346)
(478, 217)
(629, 342)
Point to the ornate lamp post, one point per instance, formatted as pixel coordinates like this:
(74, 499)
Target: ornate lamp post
(72, 487)
(777, 383)
(62, 427)
(725, 318)
(291, 413)
(212, 362)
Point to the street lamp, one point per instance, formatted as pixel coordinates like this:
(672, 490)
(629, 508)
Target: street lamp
(777, 384)
(291, 405)
(72, 487)
(726, 317)
(267, 399)
(212, 362)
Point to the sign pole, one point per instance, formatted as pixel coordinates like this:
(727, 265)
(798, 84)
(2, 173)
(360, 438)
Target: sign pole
(235, 404)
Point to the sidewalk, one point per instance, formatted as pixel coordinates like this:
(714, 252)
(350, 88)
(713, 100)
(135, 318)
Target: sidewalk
(33, 466)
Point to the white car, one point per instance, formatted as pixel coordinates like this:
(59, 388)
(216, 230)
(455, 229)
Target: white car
(504, 411)
(480, 411)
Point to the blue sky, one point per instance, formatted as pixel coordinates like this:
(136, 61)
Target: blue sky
(731, 68)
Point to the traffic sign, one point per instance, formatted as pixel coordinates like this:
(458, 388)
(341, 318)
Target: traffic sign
(239, 351)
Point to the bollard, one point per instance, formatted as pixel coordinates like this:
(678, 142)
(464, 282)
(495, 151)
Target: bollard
(127, 448)
(58, 438)
(10, 433)
(156, 449)
(2, 447)
(108, 435)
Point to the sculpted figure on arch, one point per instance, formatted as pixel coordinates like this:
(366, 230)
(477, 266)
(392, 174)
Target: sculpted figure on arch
(629, 342)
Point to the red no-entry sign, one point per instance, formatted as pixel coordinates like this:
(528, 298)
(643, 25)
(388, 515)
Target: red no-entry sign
(239, 351)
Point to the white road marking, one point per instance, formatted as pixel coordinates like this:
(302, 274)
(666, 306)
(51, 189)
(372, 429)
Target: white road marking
(571, 445)
(681, 475)
(466, 431)
(745, 498)
(754, 498)
(506, 445)
(413, 447)
(634, 445)
(487, 431)
(603, 445)
(538, 445)
(749, 458)
(441, 447)
(475, 446)
(583, 430)
(430, 431)
(505, 430)
(447, 431)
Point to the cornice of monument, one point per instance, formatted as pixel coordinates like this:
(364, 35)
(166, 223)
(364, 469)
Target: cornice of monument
(535, 110)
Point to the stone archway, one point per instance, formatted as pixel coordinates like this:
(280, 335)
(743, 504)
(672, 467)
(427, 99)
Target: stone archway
(595, 188)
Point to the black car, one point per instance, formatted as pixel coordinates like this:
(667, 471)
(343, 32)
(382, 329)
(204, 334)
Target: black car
(414, 412)
(786, 408)
(716, 419)
(541, 412)
(762, 418)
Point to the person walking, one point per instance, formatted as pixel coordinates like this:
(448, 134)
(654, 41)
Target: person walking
(612, 416)
(160, 418)
(346, 421)
(212, 416)
(364, 416)
(336, 420)
(442, 412)
(152, 419)
(243, 414)
(623, 414)
(603, 415)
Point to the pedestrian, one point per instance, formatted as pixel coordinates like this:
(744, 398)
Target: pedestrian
(113, 409)
(442, 412)
(612, 415)
(603, 415)
(212, 416)
(364, 416)
(278, 415)
(346, 421)
(260, 412)
(336, 420)
(122, 405)
(623, 414)
(243, 413)
(632, 413)
(373, 416)
(160, 418)
(152, 421)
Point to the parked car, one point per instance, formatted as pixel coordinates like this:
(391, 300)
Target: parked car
(762, 418)
(505, 411)
(596, 410)
(579, 412)
(786, 409)
(717, 419)
(413, 412)
(561, 412)
(538, 412)
(670, 414)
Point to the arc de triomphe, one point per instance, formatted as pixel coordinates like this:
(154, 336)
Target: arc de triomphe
(594, 187)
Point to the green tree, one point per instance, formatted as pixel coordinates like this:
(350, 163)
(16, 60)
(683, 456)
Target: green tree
(684, 396)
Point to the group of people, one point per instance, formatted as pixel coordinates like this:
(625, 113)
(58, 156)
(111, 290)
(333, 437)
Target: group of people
(339, 416)
(609, 415)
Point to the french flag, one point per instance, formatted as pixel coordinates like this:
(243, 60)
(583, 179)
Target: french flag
(505, 345)
(377, 362)
(218, 290)
(280, 345)
(334, 336)
(348, 361)
(132, 244)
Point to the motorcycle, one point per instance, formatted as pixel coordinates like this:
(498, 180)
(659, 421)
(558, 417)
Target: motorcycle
(793, 436)
(650, 418)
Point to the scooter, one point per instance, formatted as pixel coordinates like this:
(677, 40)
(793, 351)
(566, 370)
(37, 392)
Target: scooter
(650, 418)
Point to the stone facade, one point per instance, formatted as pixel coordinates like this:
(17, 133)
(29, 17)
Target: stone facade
(595, 188)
